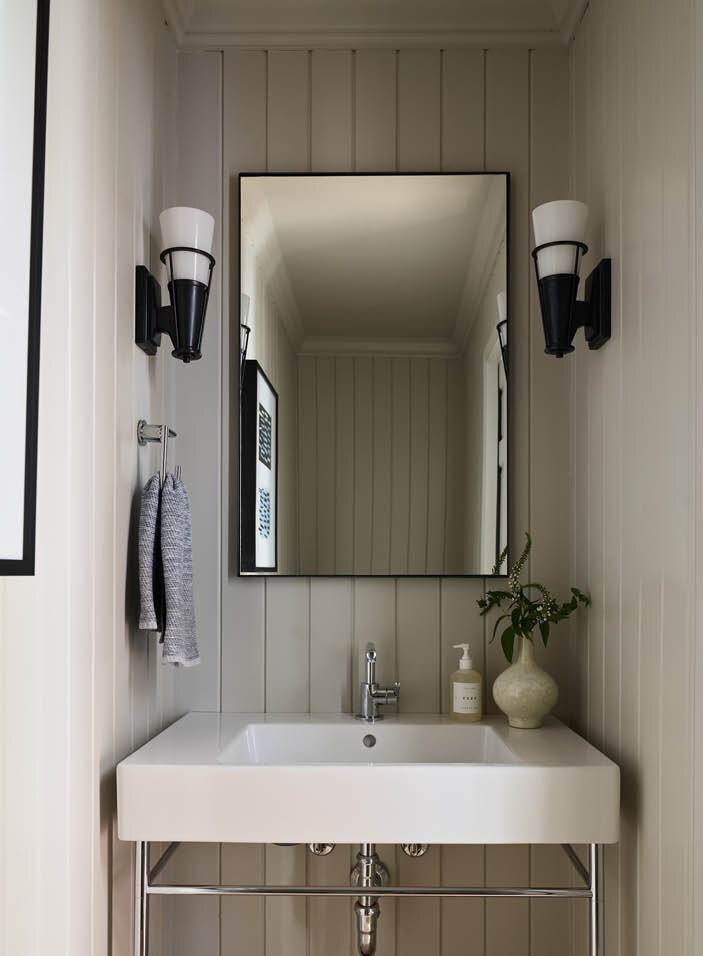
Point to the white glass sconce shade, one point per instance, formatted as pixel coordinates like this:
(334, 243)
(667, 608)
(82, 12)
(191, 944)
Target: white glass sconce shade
(563, 220)
(502, 302)
(244, 303)
(185, 226)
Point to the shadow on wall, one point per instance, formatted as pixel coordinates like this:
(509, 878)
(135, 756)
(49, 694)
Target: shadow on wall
(131, 603)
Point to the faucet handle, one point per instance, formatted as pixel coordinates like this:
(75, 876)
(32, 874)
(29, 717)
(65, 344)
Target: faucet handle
(371, 651)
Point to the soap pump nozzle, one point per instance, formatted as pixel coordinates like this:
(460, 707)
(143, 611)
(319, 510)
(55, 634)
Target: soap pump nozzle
(465, 662)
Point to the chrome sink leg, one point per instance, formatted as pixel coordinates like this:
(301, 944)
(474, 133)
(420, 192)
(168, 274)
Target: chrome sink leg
(596, 923)
(368, 872)
(141, 900)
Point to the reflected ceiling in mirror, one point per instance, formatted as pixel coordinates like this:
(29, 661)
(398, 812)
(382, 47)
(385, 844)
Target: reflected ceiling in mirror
(373, 413)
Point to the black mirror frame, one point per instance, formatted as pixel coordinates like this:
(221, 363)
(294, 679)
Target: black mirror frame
(238, 565)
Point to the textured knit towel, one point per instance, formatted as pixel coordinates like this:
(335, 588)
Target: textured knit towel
(180, 644)
(150, 572)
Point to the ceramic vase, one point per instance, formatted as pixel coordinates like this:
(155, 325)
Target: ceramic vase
(524, 692)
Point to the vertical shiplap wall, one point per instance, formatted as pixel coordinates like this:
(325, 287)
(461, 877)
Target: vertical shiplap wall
(294, 645)
(80, 686)
(636, 458)
(372, 481)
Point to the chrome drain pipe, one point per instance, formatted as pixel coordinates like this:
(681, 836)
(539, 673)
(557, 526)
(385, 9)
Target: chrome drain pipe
(368, 872)
(367, 912)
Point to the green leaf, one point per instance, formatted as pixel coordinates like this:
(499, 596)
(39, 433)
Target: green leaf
(544, 631)
(507, 640)
(495, 626)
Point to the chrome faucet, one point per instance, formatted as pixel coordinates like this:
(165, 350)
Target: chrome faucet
(372, 696)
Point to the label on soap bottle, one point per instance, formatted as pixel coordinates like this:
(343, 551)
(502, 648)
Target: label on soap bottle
(467, 698)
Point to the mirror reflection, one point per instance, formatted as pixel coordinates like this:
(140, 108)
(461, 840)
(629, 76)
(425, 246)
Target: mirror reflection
(373, 412)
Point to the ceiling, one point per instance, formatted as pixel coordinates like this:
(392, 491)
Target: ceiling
(384, 257)
(360, 23)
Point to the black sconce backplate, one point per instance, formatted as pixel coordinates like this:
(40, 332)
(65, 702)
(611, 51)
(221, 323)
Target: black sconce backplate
(598, 303)
(147, 307)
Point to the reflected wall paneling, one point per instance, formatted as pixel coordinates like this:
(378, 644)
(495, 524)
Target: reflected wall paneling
(354, 465)
(294, 645)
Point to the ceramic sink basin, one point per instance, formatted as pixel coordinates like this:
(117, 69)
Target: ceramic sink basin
(307, 778)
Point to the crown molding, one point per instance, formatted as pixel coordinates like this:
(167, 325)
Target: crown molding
(175, 21)
(359, 40)
(491, 230)
(263, 37)
(572, 20)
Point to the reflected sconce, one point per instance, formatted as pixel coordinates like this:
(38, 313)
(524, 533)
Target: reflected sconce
(502, 327)
(560, 228)
(187, 239)
(244, 330)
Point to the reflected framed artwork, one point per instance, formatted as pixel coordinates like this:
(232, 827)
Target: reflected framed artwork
(259, 499)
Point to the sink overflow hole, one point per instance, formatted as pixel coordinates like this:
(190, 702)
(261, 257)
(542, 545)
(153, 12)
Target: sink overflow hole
(369, 740)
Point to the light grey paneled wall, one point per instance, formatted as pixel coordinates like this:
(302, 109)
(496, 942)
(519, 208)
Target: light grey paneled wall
(81, 687)
(294, 645)
(373, 443)
(635, 458)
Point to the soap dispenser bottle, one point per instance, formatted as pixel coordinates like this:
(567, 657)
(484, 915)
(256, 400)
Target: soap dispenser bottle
(466, 690)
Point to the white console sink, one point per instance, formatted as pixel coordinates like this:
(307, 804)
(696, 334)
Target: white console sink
(253, 778)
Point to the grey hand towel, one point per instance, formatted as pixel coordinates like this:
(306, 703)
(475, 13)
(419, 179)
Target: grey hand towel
(150, 571)
(180, 643)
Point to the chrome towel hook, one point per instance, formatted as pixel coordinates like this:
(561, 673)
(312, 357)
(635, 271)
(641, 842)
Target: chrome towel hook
(156, 433)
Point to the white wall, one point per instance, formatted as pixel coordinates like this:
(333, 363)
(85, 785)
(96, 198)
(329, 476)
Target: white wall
(635, 458)
(294, 645)
(81, 687)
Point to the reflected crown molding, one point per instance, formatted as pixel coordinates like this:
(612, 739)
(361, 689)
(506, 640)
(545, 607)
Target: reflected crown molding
(482, 262)
(388, 348)
(194, 31)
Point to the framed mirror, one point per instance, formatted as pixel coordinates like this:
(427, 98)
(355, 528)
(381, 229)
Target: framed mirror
(373, 420)
(24, 40)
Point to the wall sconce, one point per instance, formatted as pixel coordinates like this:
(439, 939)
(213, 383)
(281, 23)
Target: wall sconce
(559, 229)
(244, 330)
(187, 238)
(502, 327)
